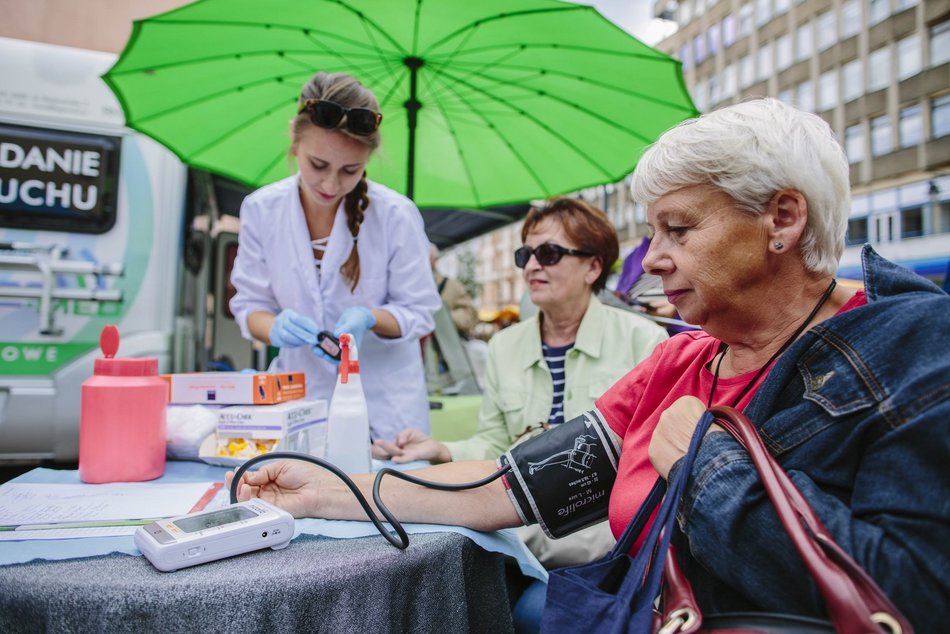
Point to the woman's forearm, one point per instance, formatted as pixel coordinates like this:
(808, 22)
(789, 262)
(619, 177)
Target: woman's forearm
(386, 324)
(484, 508)
(259, 323)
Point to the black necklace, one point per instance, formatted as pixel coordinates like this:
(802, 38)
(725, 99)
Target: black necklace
(788, 342)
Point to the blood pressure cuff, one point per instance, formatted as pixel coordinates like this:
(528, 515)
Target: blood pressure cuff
(561, 479)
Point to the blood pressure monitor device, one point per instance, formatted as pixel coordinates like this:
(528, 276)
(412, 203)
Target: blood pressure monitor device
(329, 344)
(197, 538)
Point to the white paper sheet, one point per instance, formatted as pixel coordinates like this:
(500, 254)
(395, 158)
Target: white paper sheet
(30, 504)
(67, 533)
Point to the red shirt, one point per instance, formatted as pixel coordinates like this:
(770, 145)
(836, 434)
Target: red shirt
(632, 407)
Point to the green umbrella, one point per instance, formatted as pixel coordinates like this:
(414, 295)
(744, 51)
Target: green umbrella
(485, 102)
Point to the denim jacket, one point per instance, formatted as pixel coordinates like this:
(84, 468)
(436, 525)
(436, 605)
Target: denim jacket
(858, 413)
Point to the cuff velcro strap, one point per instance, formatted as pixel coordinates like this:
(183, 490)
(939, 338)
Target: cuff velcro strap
(561, 479)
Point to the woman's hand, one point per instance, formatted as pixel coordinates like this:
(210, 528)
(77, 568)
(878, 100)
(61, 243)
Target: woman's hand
(411, 444)
(673, 432)
(290, 484)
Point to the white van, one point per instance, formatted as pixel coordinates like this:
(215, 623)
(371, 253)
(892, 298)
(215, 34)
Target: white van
(98, 225)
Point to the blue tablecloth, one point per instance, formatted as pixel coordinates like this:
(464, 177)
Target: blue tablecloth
(14, 552)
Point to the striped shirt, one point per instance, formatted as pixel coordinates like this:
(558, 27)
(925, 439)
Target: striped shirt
(554, 357)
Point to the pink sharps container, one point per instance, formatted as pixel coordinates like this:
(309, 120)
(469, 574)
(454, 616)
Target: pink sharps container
(122, 418)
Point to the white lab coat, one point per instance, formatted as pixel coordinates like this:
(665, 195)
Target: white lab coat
(274, 270)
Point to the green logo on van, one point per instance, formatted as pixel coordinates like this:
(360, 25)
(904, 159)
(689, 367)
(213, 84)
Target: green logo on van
(38, 358)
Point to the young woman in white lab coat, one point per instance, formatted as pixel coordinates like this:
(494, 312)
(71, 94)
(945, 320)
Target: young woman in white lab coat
(326, 249)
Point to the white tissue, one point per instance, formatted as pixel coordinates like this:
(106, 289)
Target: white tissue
(186, 426)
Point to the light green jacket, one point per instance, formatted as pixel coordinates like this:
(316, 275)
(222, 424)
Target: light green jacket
(519, 392)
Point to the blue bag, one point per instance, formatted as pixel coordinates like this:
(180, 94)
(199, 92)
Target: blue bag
(616, 594)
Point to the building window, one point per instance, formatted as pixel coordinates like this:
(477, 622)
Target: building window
(746, 71)
(728, 31)
(699, 96)
(827, 30)
(881, 143)
(804, 44)
(878, 10)
(685, 13)
(745, 20)
(940, 43)
(783, 52)
(699, 48)
(942, 217)
(908, 57)
(912, 222)
(905, 4)
(879, 69)
(940, 117)
(850, 18)
(684, 55)
(852, 80)
(729, 82)
(910, 127)
(854, 143)
(712, 39)
(782, 6)
(805, 96)
(764, 62)
(715, 95)
(787, 96)
(857, 231)
(828, 90)
(763, 12)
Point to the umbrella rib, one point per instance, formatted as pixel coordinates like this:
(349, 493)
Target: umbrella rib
(305, 69)
(600, 84)
(379, 52)
(185, 105)
(231, 130)
(543, 125)
(415, 27)
(592, 113)
(269, 166)
(656, 56)
(465, 165)
(212, 58)
(293, 27)
(502, 16)
(527, 166)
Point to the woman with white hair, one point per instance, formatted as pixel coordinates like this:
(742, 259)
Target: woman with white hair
(849, 390)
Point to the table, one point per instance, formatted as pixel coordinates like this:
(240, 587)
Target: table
(449, 579)
(442, 583)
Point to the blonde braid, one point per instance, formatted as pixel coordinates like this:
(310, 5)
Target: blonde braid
(355, 204)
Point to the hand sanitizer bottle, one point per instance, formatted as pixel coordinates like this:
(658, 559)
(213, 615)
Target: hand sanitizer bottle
(348, 442)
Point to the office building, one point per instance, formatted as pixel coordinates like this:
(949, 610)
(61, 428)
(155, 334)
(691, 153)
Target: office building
(878, 71)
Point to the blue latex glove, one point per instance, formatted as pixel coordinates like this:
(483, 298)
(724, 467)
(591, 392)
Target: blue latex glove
(355, 320)
(291, 330)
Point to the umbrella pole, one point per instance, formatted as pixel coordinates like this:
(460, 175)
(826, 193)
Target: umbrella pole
(412, 109)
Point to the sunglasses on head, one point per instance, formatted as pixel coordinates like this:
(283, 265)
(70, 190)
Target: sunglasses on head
(546, 254)
(329, 114)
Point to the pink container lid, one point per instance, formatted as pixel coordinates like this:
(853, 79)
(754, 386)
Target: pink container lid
(110, 366)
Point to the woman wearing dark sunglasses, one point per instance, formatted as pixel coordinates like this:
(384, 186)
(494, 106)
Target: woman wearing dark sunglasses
(551, 367)
(327, 249)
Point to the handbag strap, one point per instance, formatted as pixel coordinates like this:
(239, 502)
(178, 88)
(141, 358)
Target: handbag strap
(855, 603)
(644, 578)
(644, 513)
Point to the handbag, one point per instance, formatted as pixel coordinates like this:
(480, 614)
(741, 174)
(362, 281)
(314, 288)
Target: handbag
(621, 593)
